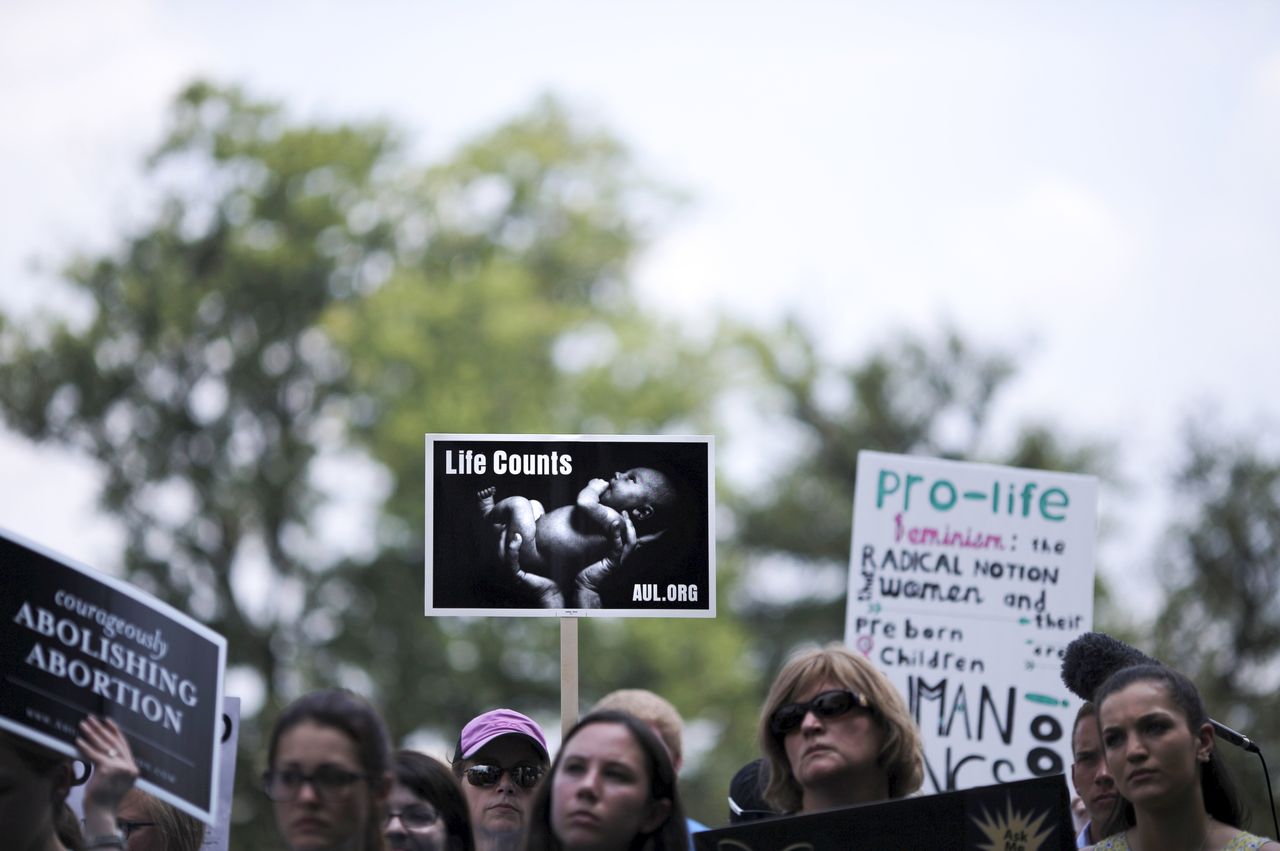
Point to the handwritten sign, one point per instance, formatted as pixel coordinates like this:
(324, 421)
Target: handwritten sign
(75, 642)
(966, 583)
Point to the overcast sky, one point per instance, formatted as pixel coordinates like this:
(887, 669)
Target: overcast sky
(1091, 184)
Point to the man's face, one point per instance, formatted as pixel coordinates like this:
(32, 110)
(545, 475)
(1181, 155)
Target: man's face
(500, 809)
(1089, 772)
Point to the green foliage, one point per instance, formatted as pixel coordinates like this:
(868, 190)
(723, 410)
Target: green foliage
(912, 396)
(203, 385)
(1221, 569)
(514, 315)
(304, 293)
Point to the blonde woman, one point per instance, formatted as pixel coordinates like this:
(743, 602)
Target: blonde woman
(835, 733)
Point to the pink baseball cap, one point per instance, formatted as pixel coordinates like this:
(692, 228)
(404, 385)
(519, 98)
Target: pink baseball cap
(484, 728)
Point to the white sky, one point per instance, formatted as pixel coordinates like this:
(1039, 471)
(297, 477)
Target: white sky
(1091, 183)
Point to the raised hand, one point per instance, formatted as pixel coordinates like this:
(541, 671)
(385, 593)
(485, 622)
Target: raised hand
(103, 744)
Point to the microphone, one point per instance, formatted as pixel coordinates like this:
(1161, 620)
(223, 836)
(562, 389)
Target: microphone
(1092, 657)
(1240, 740)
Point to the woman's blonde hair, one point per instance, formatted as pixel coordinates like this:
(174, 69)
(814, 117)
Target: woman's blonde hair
(177, 830)
(900, 752)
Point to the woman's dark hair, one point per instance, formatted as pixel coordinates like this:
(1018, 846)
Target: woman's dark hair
(354, 716)
(41, 760)
(432, 781)
(37, 758)
(1219, 792)
(67, 826)
(671, 835)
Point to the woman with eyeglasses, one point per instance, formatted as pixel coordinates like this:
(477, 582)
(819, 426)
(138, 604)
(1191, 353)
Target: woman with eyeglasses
(426, 809)
(501, 756)
(34, 782)
(329, 773)
(612, 788)
(835, 732)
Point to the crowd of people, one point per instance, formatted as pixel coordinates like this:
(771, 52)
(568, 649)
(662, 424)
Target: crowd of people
(833, 732)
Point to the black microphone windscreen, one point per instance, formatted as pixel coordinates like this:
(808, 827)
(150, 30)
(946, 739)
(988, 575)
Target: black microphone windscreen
(1091, 658)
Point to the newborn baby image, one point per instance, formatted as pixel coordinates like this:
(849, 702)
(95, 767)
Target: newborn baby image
(560, 543)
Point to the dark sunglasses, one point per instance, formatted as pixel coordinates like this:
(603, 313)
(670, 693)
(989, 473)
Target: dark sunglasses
(829, 704)
(524, 776)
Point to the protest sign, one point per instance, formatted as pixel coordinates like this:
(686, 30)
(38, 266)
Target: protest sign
(1030, 815)
(75, 642)
(966, 583)
(616, 526)
(218, 836)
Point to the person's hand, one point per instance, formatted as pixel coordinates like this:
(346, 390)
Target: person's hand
(591, 577)
(624, 539)
(589, 496)
(104, 745)
(546, 590)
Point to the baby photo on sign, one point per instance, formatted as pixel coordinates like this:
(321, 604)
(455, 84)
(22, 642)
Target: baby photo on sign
(524, 525)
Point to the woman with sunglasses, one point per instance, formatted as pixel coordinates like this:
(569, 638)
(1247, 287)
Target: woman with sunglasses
(329, 773)
(835, 732)
(426, 809)
(612, 788)
(501, 756)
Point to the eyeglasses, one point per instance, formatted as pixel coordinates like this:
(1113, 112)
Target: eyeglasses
(127, 828)
(328, 781)
(414, 818)
(829, 704)
(524, 776)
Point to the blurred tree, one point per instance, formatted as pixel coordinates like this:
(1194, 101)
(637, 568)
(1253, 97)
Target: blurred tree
(303, 287)
(516, 315)
(1221, 569)
(202, 383)
(308, 303)
(911, 396)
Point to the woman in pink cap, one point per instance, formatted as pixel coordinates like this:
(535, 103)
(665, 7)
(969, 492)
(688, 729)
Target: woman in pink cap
(501, 756)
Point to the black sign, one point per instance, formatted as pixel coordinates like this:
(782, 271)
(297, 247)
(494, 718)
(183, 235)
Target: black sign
(1026, 815)
(618, 526)
(74, 642)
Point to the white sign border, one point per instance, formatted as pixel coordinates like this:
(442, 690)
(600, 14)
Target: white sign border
(207, 815)
(429, 537)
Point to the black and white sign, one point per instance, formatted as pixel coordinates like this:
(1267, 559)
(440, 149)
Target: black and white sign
(75, 642)
(560, 525)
